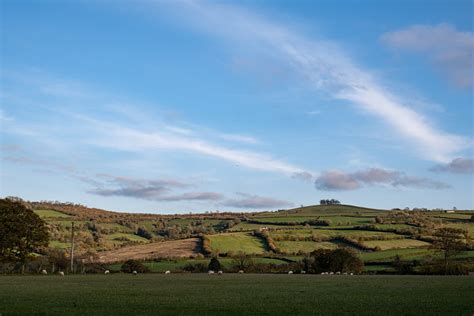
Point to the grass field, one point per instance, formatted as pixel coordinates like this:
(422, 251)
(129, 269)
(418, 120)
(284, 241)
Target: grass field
(51, 213)
(236, 242)
(396, 244)
(233, 294)
(306, 246)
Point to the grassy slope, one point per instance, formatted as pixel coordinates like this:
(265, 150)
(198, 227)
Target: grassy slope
(51, 213)
(237, 242)
(235, 295)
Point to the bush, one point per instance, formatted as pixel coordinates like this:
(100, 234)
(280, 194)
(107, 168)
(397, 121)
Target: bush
(337, 260)
(214, 264)
(133, 265)
(195, 268)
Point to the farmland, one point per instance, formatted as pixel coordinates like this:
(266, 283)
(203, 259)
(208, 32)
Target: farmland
(376, 236)
(232, 294)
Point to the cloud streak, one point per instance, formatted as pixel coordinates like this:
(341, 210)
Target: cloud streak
(324, 65)
(256, 202)
(458, 165)
(336, 180)
(449, 50)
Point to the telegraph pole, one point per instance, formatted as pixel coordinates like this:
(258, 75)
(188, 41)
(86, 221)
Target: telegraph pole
(72, 247)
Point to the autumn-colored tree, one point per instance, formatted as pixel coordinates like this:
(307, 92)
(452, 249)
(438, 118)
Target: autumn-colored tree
(450, 241)
(21, 232)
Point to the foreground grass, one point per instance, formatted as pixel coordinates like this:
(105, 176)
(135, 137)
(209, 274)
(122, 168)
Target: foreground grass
(233, 294)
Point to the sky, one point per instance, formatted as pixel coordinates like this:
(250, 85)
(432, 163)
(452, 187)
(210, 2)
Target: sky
(193, 106)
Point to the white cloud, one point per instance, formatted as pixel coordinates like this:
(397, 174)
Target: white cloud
(328, 69)
(450, 50)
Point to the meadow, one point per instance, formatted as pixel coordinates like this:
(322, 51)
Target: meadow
(234, 294)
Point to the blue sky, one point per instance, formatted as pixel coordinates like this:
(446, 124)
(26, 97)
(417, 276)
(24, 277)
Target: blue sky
(178, 106)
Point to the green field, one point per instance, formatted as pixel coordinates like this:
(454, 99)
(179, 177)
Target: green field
(234, 294)
(236, 242)
(396, 244)
(51, 213)
(305, 246)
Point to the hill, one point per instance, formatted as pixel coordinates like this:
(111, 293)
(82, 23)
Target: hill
(377, 235)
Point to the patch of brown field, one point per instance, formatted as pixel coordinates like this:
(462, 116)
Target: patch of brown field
(167, 249)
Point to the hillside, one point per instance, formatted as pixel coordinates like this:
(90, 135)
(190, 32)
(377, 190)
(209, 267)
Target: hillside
(376, 235)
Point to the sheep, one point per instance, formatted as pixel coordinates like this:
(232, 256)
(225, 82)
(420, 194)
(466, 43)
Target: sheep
(323, 273)
(135, 272)
(167, 272)
(290, 272)
(210, 272)
(241, 271)
(106, 272)
(303, 272)
(61, 273)
(44, 272)
(345, 273)
(352, 273)
(338, 273)
(220, 272)
(331, 273)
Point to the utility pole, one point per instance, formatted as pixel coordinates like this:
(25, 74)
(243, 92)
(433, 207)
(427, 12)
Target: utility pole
(72, 247)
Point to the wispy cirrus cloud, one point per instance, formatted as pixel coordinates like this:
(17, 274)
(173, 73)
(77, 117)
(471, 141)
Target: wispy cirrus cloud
(336, 180)
(448, 49)
(122, 128)
(326, 68)
(457, 165)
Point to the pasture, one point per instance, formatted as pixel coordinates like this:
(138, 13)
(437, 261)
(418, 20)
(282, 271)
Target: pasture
(236, 242)
(234, 294)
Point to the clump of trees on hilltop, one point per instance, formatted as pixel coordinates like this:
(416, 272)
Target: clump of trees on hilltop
(329, 202)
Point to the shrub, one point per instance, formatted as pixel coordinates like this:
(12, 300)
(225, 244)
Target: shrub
(325, 260)
(214, 264)
(195, 268)
(133, 265)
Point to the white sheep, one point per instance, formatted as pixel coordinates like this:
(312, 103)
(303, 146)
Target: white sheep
(167, 272)
(345, 273)
(220, 273)
(331, 273)
(210, 272)
(135, 272)
(61, 273)
(241, 271)
(323, 273)
(352, 273)
(338, 273)
(106, 272)
(290, 272)
(303, 272)
(44, 272)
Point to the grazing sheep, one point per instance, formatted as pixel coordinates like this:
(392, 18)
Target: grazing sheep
(345, 273)
(135, 272)
(44, 272)
(331, 273)
(220, 273)
(61, 273)
(322, 273)
(303, 272)
(106, 272)
(352, 273)
(167, 272)
(241, 271)
(338, 273)
(210, 272)
(290, 272)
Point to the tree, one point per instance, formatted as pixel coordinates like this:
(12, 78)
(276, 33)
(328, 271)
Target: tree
(450, 241)
(22, 231)
(214, 264)
(337, 260)
(133, 265)
(242, 261)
